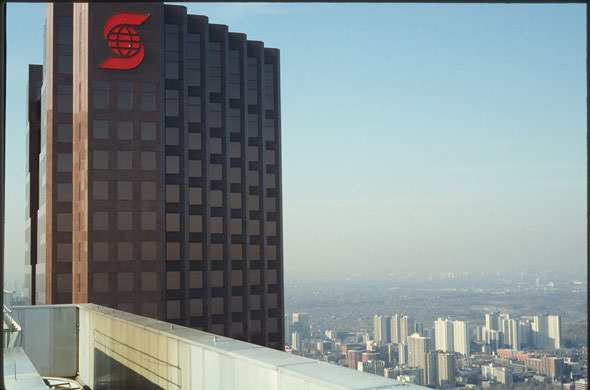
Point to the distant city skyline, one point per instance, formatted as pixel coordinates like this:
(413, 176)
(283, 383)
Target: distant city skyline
(426, 138)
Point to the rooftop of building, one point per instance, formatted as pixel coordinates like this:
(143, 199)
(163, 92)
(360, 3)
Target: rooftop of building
(97, 345)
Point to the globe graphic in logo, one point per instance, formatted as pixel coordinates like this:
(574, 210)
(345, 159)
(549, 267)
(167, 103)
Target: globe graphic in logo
(124, 41)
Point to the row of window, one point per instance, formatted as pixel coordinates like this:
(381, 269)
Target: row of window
(148, 251)
(216, 251)
(124, 160)
(123, 221)
(148, 283)
(101, 159)
(217, 279)
(64, 44)
(147, 91)
(125, 93)
(216, 225)
(195, 309)
(147, 161)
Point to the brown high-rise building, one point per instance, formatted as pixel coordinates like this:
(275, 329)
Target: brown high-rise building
(175, 170)
(53, 280)
(32, 179)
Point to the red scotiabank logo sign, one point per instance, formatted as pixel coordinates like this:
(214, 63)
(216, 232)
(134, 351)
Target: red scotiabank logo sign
(124, 41)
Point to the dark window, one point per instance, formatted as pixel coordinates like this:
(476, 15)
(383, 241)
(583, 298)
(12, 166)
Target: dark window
(193, 46)
(269, 87)
(234, 120)
(216, 171)
(194, 109)
(253, 178)
(100, 190)
(270, 157)
(215, 119)
(148, 131)
(172, 164)
(64, 45)
(172, 193)
(64, 162)
(124, 221)
(215, 67)
(148, 160)
(194, 168)
(64, 98)
(172, 104)
(124, 96)
(124, 159)
(216, 200)
(269, 129)
(172, 136)
(124, 190)
(252, 80)
(64, 132)
(124, 129)
(194, 141)
(235, 201)
(193, 59)
(252, 125)
(216, 146)
(195, 223)
(171, 53)
(194, 73)
(148, 96)
(100, 129)
(64, 29)
(100, 94)
(252, 153)
(235, 149)
(235, 175)
(195, 196)
(148, 220)
(100, 159)
(64, 58)
(234, 74)
(148, 190)
(172, 222)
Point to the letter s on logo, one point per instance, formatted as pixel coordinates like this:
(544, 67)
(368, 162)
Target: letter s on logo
(124, 41)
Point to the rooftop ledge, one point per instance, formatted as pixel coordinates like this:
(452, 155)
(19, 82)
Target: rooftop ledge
(107, 348)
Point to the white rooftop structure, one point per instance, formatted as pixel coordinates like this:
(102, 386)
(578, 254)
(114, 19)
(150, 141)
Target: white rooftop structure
(103, 347)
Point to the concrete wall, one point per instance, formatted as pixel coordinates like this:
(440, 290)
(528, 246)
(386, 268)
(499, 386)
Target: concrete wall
(49, 337)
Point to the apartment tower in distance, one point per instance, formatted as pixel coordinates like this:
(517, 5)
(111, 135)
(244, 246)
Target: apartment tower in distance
(175, 163)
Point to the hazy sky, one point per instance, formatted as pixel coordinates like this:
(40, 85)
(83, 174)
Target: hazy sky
(415, 136)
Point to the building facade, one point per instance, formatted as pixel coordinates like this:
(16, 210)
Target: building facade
(382, 329)
(461, 339)
(446, 369)
(418, 347)
(395, 329)
(443, 335)
(53, 269)
(554, 331)
(171, 169)
(406, 328)
(32, 179)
